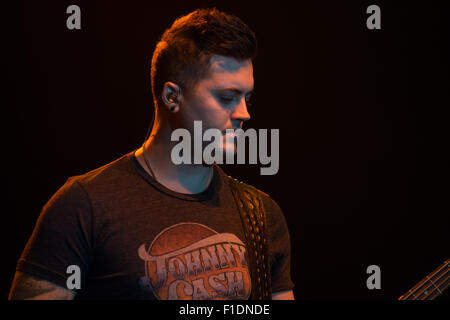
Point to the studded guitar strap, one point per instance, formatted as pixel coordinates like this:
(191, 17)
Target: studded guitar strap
(253, 217)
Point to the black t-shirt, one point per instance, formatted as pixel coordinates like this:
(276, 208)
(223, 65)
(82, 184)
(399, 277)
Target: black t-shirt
(132, 238)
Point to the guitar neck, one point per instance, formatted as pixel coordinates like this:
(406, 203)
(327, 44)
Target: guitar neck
(431, 286)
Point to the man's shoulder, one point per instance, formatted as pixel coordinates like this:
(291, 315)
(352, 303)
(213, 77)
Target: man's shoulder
(106, 173)
(81, 191)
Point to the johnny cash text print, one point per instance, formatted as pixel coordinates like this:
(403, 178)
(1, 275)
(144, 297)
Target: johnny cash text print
(189, 261)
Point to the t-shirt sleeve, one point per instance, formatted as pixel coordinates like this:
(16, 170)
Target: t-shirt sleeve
(62, 237)
(279, 247)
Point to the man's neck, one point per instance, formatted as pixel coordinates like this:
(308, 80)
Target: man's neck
(183, 178)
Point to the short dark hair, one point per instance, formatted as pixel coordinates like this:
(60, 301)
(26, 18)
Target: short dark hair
(184, 51)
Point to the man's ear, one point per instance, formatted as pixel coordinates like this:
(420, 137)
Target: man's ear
(171, 96)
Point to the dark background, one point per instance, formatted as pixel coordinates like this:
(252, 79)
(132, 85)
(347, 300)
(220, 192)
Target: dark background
(363, 173)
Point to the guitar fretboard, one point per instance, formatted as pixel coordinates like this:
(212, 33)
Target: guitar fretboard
(431, 286)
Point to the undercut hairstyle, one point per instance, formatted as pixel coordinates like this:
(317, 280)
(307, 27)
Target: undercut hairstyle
(183, 54)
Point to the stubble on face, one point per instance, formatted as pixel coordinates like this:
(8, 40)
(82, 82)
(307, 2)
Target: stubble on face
(215, 98)
(226, 78)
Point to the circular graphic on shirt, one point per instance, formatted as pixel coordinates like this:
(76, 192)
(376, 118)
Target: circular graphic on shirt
(189, 261)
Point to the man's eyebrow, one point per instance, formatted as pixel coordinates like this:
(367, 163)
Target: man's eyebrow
(235, 91)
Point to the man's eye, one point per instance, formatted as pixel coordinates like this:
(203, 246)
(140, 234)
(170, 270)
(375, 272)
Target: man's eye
(226, 99)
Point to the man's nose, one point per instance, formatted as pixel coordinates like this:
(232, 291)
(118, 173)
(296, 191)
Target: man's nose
(241, 112)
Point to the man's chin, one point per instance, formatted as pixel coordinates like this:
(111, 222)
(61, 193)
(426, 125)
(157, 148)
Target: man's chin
(228, 149)
(228, 144)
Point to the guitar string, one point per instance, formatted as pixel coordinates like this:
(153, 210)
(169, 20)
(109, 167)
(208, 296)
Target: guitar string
(418, 290)
(426, 280)
(415, 295)
(440, 288)
(433, 294)
(424, 292)
(427, 292)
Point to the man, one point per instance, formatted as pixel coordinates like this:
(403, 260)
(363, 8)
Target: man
(142, 227)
